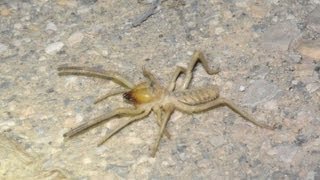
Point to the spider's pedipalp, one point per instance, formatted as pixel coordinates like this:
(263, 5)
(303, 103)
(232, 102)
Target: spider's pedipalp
(90, 123)
(124, 124)
(92, 72)
(112, 93)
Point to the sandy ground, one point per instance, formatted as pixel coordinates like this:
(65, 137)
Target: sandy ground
(268, 53)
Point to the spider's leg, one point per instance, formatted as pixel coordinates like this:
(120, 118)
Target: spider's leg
(175, 76)
(150, 76)
(122, 125)
(219, 102)
(90, 123)
(167, 113)
(197, 56)
(159, 114)
(112, 93)
(92, 72)
(243, 113)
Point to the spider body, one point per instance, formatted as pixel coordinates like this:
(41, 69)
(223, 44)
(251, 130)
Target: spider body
(196, 96)
(151, 96)
(141, 94)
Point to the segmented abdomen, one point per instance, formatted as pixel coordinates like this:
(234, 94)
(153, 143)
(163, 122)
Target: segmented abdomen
(197, 96)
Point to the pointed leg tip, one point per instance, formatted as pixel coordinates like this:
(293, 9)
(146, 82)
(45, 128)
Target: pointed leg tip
(100, 142)
(153, 155)
(96, 101)
(276, 126)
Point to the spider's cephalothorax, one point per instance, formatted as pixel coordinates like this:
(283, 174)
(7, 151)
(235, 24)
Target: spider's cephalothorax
(151, 96)
(141, 94)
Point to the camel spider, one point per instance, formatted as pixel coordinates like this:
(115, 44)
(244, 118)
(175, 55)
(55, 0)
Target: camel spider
(152, 96)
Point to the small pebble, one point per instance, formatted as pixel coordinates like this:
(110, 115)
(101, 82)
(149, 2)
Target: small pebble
(42, 58)
(271, 105)
(189, 53)
(69, 122)
(242, 88)
(27, 112)
(104, 52)
(182, 156)
(3, 47)
(217, 141)
(75, 38)
(312, 87)
(79, 118)
(17, 26)
(51, 27)
(86, 160)
(227, 14)
(67, 3)
(7, 125)
(219, 30)
(294, 82)
(53, 48)
(84, 10)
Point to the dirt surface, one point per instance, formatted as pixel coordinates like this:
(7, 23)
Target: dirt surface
(268, 53)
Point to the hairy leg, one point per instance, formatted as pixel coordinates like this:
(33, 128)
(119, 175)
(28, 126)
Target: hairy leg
(112, 93)
(122, 125)
(197, 56)
(158, 112)
(150, 76)
(219, 102)
(168, 109)
(175, 76)
(90, 123)
(91, 72)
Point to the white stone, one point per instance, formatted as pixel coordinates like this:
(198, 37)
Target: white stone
(105, 52)
(312, 87)
(189, 53)
(3, 47)
(42, 58)
(219, 30)
(17, 26)
(51, 27)
(79, 118)
(86, 160)
(242, 88)
(217, 141)
(75, 38)
(294, 82)
(53, 48)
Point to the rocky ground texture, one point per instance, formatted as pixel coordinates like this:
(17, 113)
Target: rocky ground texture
(268, 53)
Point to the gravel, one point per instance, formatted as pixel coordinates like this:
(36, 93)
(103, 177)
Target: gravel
(268, 53)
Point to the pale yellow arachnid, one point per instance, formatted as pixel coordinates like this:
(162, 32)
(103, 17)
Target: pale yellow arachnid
(151, 96)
